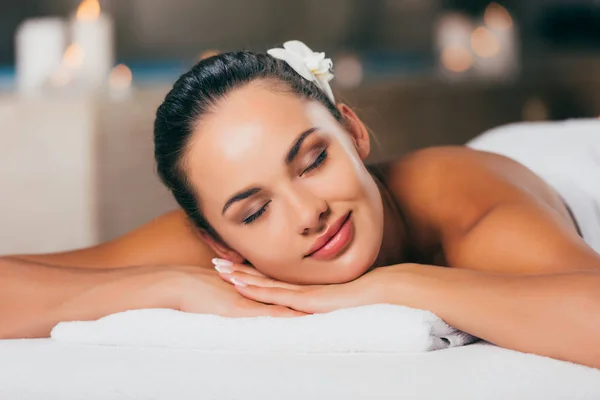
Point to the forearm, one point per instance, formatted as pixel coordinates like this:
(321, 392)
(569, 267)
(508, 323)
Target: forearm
(35, 297)
(551, 315)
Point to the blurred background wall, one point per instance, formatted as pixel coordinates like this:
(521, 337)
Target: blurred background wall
(158, 29)
(76, 161)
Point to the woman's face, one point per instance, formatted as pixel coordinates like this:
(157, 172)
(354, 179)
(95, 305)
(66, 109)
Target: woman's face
(285, 186)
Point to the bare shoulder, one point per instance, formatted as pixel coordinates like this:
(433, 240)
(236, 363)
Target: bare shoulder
(486, 212)
(454, 186)
(167, 240)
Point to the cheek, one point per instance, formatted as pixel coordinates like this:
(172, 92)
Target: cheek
(341, 180)
(270, 245)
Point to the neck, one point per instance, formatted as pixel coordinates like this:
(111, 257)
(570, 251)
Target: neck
(394, 244)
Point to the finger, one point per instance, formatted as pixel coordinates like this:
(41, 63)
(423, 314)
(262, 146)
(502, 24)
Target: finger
(283, 312)
(254, 280)
(227, 266)
(261, 310)
(273, 295)
(247, 269)
(240, 276)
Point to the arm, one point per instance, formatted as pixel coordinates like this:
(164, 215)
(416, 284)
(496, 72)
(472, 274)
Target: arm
(522, 278)
(167, 240)
(554, 315)
(35, 297)
(38, 291)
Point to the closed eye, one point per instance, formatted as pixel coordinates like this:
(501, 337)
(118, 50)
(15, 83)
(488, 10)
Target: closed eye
(256, 215)
(318, 161)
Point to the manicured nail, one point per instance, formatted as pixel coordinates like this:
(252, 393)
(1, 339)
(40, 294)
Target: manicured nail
(220, 261)
(238, 282)
(224, 269)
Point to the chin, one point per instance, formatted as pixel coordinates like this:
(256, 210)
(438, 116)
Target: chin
(354, 266)
(351, 275)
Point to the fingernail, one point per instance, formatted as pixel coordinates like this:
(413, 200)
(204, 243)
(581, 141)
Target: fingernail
(224, 269)
(220, 261)
(238, 282)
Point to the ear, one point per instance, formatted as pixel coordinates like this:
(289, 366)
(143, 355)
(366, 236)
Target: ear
(221, 249)
(357, 129)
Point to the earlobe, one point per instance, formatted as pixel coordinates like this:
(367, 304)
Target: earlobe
(221, 249)
(357, 129)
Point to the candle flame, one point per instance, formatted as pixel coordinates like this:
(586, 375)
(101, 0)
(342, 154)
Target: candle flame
(88, 10)
(497, 17)
(120, 77)
(73, 56)
(457, 58)
(484, 43)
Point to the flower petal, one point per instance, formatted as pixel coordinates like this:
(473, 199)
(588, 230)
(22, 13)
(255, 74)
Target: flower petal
(326, 76)
(297, 47)
(312, 62)
(320, 56)
(294, 61)
(312, 66)
(323, 84)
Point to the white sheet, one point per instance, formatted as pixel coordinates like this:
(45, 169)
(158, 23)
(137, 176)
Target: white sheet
(48, 370)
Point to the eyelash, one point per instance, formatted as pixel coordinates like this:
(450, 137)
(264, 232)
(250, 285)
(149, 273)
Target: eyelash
(318, 161)
(257, 214)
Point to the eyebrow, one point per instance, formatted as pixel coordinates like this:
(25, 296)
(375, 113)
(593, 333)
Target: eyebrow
(293, 152)
(289, 158)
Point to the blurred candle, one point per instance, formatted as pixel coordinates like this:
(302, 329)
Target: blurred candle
(452, 37)
(40, 45)
(495, 44)
(71, 61)
(349, 71)
(120, 82)
(456, 59)
(484, 43)
(92, 31)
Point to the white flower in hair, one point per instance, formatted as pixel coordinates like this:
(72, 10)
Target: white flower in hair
(310, 65)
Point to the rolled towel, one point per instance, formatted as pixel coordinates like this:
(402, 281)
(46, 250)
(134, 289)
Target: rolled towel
(375, 328)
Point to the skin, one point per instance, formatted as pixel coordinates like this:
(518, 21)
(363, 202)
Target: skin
(474, 237)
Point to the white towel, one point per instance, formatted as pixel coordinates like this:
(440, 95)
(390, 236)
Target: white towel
(376, 328)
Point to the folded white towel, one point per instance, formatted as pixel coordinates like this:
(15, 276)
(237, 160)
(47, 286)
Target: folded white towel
(375, 328)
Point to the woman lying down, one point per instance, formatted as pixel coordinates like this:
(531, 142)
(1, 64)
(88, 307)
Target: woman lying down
(269, 172)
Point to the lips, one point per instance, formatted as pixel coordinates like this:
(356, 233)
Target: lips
(334, 239)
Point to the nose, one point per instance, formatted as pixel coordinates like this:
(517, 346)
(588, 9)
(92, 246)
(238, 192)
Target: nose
(309, 211)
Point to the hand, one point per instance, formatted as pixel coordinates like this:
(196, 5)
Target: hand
(371, 288)
(200, 290)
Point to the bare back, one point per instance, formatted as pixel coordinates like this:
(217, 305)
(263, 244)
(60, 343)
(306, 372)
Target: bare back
(477, 210)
